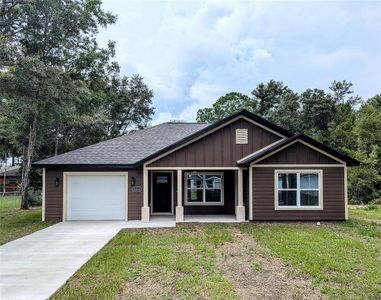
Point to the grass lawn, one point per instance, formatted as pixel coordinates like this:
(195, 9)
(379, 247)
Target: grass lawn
(363, 212)
(16, 223)
(250, 261)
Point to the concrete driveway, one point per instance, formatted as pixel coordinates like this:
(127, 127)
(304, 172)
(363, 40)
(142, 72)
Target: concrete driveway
(35, 266)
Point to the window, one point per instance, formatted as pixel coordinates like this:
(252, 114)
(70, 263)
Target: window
(204, 189)
(298, 189)
(241, 136)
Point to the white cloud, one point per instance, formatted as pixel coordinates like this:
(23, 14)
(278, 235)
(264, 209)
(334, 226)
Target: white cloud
(330, 59)
(191, 53)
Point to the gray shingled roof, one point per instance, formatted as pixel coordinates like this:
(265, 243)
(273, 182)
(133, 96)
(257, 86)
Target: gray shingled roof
(127, 149)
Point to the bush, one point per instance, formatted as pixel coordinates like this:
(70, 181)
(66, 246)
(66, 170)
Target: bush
(35, 197)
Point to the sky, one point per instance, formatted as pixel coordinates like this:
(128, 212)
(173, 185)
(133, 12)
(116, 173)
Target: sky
(192, 52)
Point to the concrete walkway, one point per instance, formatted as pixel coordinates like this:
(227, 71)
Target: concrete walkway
(35, 266)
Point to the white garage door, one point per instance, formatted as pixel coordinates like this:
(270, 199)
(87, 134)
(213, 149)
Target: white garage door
(96, 197)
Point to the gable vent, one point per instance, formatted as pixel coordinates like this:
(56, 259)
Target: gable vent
(241, 136)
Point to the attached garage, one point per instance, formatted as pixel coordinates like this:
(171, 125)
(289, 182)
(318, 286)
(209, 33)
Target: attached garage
(95, 196)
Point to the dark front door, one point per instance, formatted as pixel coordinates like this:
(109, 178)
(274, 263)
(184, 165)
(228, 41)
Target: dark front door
(162, 192)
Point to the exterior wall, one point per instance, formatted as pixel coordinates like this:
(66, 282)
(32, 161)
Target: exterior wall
(11, 184)
(298, 153)
(135, 199)
(219, 149)
(333, 197)
(54, 195)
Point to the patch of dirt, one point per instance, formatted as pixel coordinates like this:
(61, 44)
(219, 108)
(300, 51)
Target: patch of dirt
(148, 287)
(256, 274)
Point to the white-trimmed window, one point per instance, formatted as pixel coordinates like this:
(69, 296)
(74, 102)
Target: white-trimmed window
(298, 189)
(204, 188)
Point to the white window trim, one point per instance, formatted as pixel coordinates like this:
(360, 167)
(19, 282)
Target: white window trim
(221, 203)
(298, 189)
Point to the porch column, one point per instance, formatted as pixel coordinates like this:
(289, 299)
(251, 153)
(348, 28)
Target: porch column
(179, 206)
(240, 209)
(145, 208)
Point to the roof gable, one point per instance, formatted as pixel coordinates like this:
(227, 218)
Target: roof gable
(296, 155)
(217, 148)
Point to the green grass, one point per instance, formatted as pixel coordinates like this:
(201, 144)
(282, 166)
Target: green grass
(16, 223)
(365, 212)
(180, 260)
(343, 259)
(10, 202)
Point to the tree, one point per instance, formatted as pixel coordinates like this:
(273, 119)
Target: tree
(269, 95)
(318, 109)
(287, 113)
(226, 105)
(35, 94)
(58, 38)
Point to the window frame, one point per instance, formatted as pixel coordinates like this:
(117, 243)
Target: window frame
(298, 190)
(203, 203)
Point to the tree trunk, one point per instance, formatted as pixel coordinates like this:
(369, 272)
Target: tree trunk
(27, 164)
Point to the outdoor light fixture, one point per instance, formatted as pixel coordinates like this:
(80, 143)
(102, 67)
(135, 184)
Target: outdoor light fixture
(133, 181)
(57, 181)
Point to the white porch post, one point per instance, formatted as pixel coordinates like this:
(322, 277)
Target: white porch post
(179, 207)
(240, 209)
(145, 208)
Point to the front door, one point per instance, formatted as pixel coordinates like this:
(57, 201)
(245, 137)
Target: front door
(162, 193)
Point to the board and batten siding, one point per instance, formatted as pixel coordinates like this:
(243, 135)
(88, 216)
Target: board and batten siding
(298, 153)
(219, 149)
(264, 197)
(54, 195)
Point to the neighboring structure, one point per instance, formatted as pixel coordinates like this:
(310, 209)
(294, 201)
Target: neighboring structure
(242, 165)
(9, 177)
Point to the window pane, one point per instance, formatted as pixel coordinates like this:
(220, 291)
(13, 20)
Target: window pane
(195, 181)
(309, 181)
(287, 198)
(213, 196)
(194, 195)
(213, 181)
(309, 198)
(287, 181)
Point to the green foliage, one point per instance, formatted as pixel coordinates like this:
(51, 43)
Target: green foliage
(226, 105)
(59, 91)
(269, 96)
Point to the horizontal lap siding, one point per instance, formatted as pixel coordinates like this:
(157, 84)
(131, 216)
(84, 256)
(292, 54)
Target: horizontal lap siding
(219, 148)
(333, 197)
(135, 199)
(54, 195)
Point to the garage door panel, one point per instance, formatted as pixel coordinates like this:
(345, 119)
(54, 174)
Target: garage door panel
(96, 197)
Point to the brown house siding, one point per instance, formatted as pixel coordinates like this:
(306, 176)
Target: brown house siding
(333, 197)
(298, 153)
(135, 199)
(54, 195)
(219, 148)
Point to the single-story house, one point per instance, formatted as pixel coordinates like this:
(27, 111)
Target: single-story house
(242, 165)
(9, 177)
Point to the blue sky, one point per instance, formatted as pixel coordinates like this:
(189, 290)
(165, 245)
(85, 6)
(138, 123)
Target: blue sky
(192, 52)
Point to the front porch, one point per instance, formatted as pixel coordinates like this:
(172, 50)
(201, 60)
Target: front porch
(212, 195)
(198, 219)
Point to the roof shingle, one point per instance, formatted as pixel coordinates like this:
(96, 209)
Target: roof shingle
(127, 149)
